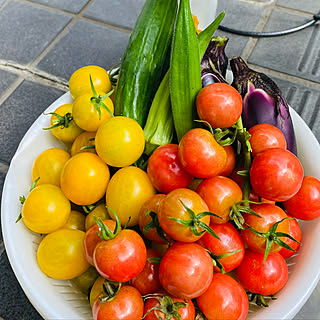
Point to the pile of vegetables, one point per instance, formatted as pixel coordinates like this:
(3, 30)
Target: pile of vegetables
(178, 195)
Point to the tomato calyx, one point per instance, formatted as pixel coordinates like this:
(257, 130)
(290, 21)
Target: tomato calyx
(273, 236)
(259, 299)
(97, 100)
(166, 306)
(216, 257)
(154, 223)
(110, 290)
(105, 233)
(238, 209)
(61, 121)
(195, 222)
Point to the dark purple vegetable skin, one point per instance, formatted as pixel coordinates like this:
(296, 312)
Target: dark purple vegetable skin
(214, 62)
(263, 102)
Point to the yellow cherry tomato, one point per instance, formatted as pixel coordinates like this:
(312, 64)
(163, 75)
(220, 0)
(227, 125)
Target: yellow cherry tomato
(65, 130)
(84, 139)
(128, 189)
(60, 254)
(120, 141)
(45, 209)
(79, 81)
(96, 289)
(84, 178)
(48, 165)
(85, 111)
(99, 212)
(76, 221)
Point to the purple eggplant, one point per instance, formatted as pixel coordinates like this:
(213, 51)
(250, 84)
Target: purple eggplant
(263, 101)
(214, 62)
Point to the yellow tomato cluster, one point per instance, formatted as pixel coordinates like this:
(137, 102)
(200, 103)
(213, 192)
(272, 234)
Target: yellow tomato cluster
(92, 177)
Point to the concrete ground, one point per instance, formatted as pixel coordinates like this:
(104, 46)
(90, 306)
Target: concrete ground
(42, 42)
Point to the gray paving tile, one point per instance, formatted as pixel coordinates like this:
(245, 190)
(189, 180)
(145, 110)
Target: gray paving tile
(85, 43)
(2, 2)
(19, 111)
(14, 302)
(305, 5)
(250, 13)
(26, 30)
(297, 54)
(74, 6)
(304, 100)
(122, 13)
(6, 79)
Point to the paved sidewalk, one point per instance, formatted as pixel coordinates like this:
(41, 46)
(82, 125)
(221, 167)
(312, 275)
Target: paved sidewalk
(42, 42)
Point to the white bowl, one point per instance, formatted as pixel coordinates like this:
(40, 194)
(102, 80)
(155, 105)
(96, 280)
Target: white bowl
(55, 299)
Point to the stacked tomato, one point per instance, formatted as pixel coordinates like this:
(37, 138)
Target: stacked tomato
(198, 230)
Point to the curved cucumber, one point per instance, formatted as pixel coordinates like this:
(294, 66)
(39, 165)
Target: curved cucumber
(146, 59)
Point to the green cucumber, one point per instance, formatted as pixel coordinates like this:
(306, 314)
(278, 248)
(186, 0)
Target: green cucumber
(146, 59)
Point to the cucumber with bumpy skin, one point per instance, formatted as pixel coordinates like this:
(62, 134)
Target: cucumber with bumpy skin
(146, 59)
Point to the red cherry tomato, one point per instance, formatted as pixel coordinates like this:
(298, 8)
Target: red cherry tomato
(269, 214)
(295, 232)
(147, 281)
(220, 194)
(264, 279)
(219, 104)
(172, 206)
(91, 238)
(229, 241)
(180, 275)
(225, 299)
(305, 205)
(154, 310)
(127, 304)
(276, 174)
(165, 170)
(121, 258)
(200, 154)
(266, 136)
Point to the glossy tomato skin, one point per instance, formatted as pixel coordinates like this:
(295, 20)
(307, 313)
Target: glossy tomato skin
(269, 214)
(200, 154)
(165, 170)
(266, 136)
(219, 104)
(225, 299)
(100, 211)
(186, 313)
(126, 305)
(305, 204)
(79, 81)
(264, 279)
(180, 275)
(128, 189)
(84, 139)
(91, 238)
(276, 174)
(76, 221)
(60, 254)
(296, 233)
(45, 209)
(230, 163)
(147, 281)
(84, 178)
(229, 241)
(121, 258)
(119, 141)
(151, 205)
(220, 194)
(171, 207)
(48, 166)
